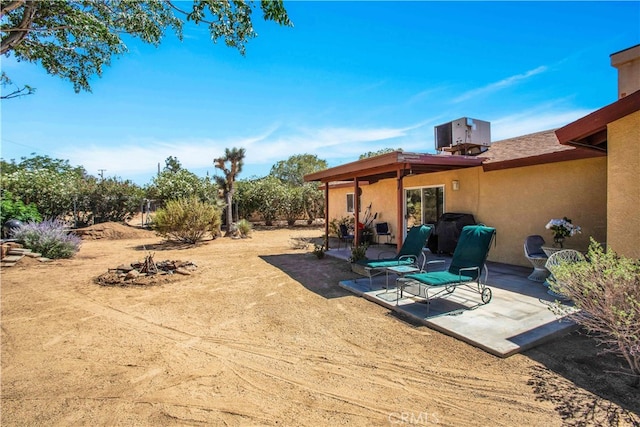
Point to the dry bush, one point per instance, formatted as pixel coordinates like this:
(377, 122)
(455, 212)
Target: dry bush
(606, 290)
(187, 220)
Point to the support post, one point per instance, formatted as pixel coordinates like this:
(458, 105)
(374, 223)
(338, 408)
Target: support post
(400, 209)
(356, 211)
(326, 215)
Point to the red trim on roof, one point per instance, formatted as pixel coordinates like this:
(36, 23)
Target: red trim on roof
(393, 164)
(558, 156)
(591, 129)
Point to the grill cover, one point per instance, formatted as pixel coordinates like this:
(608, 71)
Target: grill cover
(447, 230)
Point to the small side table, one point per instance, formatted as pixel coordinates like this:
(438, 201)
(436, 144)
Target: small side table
(550, 250)
(400, 271)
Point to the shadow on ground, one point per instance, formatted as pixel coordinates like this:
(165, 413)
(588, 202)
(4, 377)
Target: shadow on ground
(168, 246)
(585, 386)
(320, 276)
(590, 381)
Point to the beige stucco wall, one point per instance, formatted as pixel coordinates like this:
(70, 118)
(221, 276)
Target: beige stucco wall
(517, 202)
(381, 196)
(338, 202)
(623, 226)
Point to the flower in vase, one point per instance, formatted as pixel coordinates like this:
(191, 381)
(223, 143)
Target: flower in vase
(562, 228)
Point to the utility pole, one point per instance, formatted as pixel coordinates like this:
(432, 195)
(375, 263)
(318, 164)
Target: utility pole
(102, 171)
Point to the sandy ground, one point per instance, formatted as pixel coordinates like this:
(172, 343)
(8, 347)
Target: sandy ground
(261, 334)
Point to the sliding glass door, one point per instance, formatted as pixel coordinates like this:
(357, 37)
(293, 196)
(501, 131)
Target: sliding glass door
(423, 205)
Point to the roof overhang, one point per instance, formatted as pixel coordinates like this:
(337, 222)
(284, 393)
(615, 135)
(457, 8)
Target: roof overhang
(590, 131)
(558, 156)
(393, 165)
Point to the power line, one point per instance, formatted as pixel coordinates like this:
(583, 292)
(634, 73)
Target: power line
(36, 149)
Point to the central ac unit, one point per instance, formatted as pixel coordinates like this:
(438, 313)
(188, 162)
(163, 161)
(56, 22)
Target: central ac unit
(463, 135)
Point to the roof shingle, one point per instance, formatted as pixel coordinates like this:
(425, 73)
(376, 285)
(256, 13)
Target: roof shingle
(532, 149)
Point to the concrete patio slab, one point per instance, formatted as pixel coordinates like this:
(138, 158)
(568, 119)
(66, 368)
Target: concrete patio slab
(516, 319)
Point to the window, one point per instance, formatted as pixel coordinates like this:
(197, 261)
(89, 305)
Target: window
(350, 203)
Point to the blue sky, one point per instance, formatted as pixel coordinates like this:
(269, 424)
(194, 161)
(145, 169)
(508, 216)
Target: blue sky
(349, 78)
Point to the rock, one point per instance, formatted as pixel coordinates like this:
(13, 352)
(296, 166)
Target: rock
(131, 275)
(134, 274)
(19, 251)
(9, 246)
(12, 258)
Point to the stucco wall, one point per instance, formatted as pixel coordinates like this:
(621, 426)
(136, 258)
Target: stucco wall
(623, 226)
(518, 202)
(338, 202)
(381, 196)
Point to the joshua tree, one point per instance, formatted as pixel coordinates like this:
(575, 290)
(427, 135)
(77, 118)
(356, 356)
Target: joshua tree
(235, 158)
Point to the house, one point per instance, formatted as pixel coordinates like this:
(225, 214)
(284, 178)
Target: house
(587, 170)
(615, 130)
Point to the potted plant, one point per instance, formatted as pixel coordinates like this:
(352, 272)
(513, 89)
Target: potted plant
(318, 251)
(562, 228)
(358, 253)
(365, 228)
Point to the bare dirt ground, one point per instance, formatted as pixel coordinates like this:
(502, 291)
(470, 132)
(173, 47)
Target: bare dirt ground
(261, 334)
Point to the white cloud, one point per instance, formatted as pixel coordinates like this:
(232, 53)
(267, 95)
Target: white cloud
(337, 145)
(141, 156)
(327, 143)
(493, 87)
(533, 120)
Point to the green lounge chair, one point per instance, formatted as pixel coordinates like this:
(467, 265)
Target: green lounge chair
(409, 254)
(466, 267)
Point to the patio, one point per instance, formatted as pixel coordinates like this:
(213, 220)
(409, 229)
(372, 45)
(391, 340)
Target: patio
(517, 318)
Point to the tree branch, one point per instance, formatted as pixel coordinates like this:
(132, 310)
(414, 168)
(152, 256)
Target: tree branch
(185, 13)
(35, 30)
(16, 37)
(11, 6)
(174, 7)
(27, 90)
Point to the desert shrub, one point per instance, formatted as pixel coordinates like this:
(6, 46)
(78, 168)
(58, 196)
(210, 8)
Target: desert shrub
(606, 290)
(267, 194)
(108, 199)
(49, 183)
(60, 190)
(358, 252)
(187, 220)
(14, 208)
(313, 201)
(49, 238)
(244, 227)
(318, 250)
(292, 204)
(175, 183)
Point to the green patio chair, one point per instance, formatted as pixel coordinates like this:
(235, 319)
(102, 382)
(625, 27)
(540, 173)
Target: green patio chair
(466, 268)
(409, 255)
